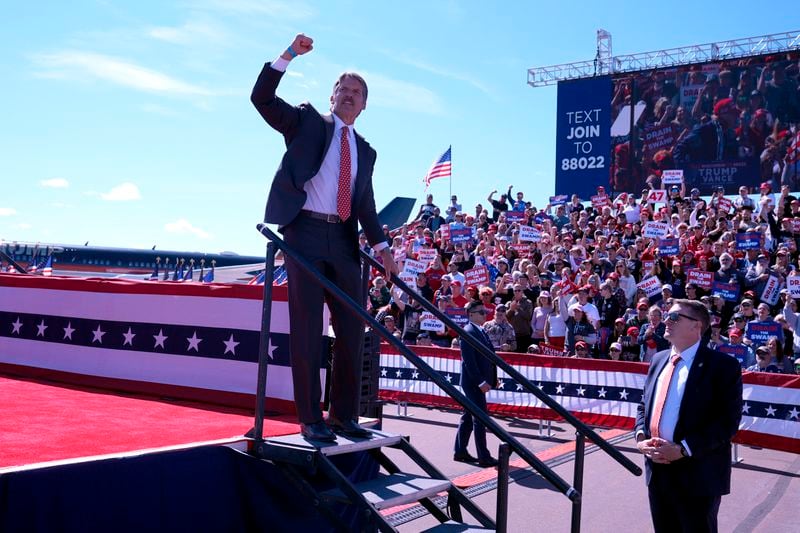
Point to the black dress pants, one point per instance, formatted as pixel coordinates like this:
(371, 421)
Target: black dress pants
(331, 249)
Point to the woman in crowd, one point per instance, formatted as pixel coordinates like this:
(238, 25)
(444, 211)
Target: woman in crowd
(578, 327)
(784, 363)
(555, 328)
(543, 309)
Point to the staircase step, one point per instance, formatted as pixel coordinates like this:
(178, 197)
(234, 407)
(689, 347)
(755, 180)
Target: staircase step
(456, 527)
(396, 489)
(342, 445)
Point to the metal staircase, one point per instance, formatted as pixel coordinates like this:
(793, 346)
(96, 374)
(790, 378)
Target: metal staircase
(301, 460)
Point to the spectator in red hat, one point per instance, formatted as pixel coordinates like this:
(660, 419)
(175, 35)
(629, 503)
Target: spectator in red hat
(581, 351)
(712, 141)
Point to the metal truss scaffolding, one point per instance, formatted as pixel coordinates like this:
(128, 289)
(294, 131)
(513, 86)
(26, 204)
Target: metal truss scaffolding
(605, 63)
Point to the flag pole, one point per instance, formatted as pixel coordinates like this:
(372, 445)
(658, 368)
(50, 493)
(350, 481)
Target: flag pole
(451, 171)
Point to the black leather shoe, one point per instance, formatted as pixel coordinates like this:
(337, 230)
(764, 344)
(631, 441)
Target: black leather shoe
(317, 431)
(464, 458)
(349, 428)
(488, 462)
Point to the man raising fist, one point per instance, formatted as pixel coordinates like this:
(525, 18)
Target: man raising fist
(321, 191)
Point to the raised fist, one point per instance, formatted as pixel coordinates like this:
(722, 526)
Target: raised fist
(302, 44)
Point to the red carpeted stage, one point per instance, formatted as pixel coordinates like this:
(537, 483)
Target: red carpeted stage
(81, 459)
(46, 422)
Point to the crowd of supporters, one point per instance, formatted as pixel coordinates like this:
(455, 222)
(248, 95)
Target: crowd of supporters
(583, 280)
(734, 110)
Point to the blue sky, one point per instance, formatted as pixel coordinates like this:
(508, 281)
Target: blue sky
(129, 123)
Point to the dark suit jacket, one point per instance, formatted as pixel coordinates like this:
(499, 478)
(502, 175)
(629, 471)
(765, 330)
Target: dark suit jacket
(701, 145)
(308, 135)
(475, 368)
(708, 418)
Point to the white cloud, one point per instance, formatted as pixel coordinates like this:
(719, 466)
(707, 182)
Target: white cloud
(446, 73)
(7, 211)
(398, 94)
(184, 227)
(124, 192)
(55, 183)
(192, 32)
(79, 65)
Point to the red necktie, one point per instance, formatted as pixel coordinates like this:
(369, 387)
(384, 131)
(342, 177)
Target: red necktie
(661, 399)
(343, 195)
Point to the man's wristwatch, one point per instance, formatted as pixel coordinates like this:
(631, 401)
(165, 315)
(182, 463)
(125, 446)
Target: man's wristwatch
(684, 453)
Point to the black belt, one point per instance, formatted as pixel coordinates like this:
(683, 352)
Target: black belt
(332, 219)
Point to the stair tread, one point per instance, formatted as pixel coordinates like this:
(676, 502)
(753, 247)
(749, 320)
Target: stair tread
(396, 489)
(342, 445)
(456, 527)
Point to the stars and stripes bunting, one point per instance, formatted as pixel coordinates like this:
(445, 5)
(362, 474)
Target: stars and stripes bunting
(603, 393)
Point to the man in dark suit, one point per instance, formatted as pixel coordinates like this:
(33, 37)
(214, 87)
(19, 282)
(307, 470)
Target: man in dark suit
(321, 191)
(690, 410)
(478, 375)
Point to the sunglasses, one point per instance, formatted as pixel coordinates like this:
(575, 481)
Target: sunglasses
(676, 316)
(615, 350)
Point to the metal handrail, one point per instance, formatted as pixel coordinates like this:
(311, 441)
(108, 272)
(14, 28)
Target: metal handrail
(13, 263)
(426, 369)
(512, 372)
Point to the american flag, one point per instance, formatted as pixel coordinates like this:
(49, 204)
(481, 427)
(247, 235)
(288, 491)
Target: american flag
(441, 168)
(47, 270)
(793, 152)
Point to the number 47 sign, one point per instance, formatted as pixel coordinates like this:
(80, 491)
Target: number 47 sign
(657, 196)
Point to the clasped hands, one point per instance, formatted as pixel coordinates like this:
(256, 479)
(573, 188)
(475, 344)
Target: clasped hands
(659, 450)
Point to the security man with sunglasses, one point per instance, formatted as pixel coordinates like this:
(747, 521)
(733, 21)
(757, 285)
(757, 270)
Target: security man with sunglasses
(690, 411)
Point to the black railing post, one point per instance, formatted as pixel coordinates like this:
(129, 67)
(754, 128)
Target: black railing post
(577, 482)
(263, 342)
(501, 519)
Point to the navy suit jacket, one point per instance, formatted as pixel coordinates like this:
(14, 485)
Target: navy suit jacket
(307, 135)
(709, 417)
(475, 368)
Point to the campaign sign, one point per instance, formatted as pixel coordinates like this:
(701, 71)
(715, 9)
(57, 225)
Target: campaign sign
(727, 291)
(583, 135)
(672, 177)
(647, 265)
(659, 137)
(515, 216)
(795, 225)
(529, 234)
(701, 278)
(540, 217)
(477, 276)
(428, 322)
(460, 235)
(414, 267)
(522, 249)
(748, 241)
(600, 200)
(771, 290)
(759, 332)
(549, 349)
(560, 199)
(793, 284)
(409, 278)
(426, 255)
(655, 230)
(668, 247)
(725, 204)
(445, 229)
(651, 285)
(657, 196)
(729, 174)
(459, 316)
(739, 351)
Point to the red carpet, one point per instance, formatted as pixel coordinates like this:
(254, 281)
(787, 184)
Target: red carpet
(45, 422)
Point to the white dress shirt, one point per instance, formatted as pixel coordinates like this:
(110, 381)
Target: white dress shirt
(677, 386)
